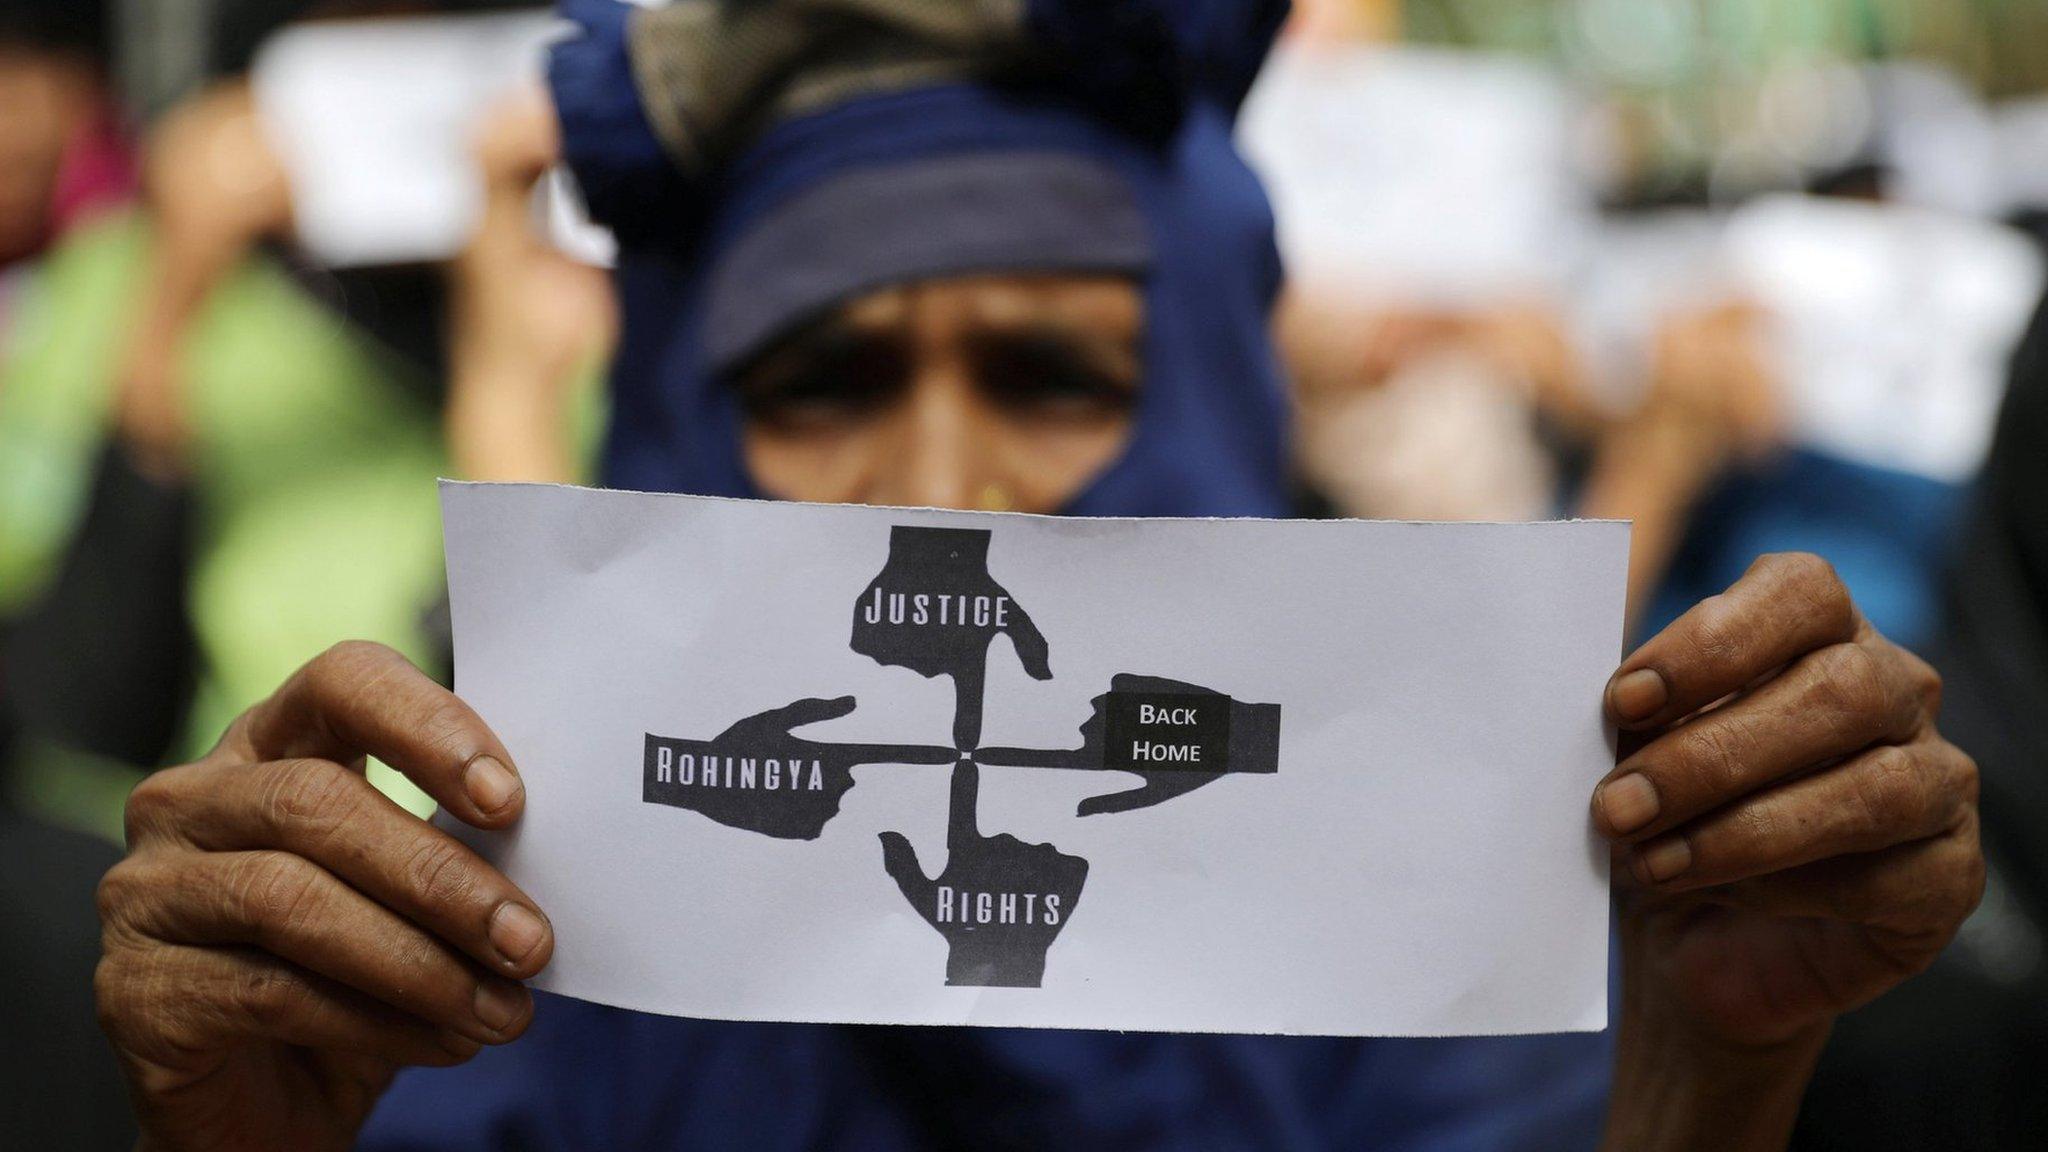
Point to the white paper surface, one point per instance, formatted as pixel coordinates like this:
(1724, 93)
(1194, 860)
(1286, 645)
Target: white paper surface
(1386, 830)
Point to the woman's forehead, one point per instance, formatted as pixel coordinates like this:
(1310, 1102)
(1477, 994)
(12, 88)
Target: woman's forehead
(1106, 303)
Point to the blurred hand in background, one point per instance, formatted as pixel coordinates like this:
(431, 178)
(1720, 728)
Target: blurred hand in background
(1712, 402)
(529, 322)
(213, 187)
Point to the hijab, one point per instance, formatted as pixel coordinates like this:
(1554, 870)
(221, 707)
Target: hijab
(1162, 194)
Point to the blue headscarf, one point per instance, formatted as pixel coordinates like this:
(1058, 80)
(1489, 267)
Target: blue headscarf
(1154, 90)
(1208, 435)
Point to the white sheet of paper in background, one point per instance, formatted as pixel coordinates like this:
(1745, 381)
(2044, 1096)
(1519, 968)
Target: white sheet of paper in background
(1419, 174)
(1386, 833)
(376, 124)
(1893, 325)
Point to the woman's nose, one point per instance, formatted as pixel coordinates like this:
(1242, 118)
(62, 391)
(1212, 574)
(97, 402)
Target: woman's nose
(943, 447)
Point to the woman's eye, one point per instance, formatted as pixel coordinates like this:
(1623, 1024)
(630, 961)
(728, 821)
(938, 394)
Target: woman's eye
(1052, 377)
(834, 382)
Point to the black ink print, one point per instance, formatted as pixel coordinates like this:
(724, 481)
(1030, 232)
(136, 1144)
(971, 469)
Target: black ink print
(999, 902)
(1176, 737)
(934, 609)
(757, 776)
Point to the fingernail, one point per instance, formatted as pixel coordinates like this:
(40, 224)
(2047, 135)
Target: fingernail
(1638, 695)
(498, 1004)
(1663, 860)
(491, 785)
(1629, 803)
(516, 931)
(459, 1046)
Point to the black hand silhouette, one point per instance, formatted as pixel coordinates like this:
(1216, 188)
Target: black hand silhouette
(934, 609)
(1253, 746)
(1000, 903)
(759, 777)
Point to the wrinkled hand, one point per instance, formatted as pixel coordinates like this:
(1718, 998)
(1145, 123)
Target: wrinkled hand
(1793, 836)
(282, 938)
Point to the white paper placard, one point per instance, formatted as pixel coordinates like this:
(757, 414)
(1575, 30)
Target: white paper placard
(1364, 756)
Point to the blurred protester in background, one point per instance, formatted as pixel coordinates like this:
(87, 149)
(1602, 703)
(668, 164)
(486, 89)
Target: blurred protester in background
(214, 451)
(1429, 223)
(1437, 223)
(274, 422)
(1711, 408)
(1888, 326)
(962, 259)
(1936, 1067)
(63, 161)
(63, 154)
(1841, 364)
(1817, 373)
(530, 324)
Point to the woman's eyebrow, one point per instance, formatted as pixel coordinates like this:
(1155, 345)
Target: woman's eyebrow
(818, 341)
(1083, 348)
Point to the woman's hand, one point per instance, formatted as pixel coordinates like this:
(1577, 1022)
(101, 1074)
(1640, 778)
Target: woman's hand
(282, 938)
(1792, 838)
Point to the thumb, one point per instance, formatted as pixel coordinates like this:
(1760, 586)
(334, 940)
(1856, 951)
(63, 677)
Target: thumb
(900, 860)
(793, 716)
(1158, 788)
(1032, 650)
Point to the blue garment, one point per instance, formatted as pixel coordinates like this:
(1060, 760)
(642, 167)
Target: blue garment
(590, 1077)
(1207, 441)
(1888, 533)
